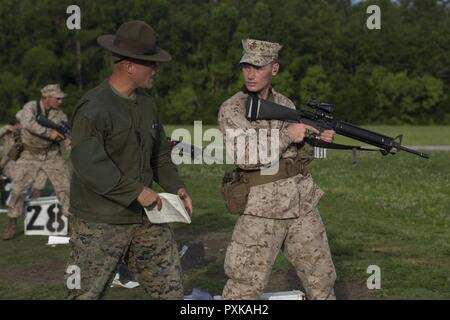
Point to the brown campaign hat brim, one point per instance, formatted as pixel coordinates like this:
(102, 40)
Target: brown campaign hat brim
(107, 42)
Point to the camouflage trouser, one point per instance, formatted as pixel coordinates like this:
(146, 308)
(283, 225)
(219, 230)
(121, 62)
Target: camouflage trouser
(149, 250)
(40, 180)
(255, 245)
(27, 169)
(8, 170)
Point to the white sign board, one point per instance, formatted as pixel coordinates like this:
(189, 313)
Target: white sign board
(44, 216)
(320, 153)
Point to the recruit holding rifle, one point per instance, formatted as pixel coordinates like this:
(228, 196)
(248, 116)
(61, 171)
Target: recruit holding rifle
(321, 117)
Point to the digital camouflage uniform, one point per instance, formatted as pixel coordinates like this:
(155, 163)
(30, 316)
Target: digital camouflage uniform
(41, 178)
(118, 147)
(149, 251)
(39, 184)
(281, 215)
(9, 138)
(8, 165)
(39, 154)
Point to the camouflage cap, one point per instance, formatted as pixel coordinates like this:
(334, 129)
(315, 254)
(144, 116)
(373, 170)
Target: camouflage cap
(53, 91)
(259, 53)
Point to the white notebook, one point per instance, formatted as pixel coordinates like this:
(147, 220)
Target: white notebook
(172, 210)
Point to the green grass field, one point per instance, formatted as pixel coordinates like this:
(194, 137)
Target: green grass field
(393, 212)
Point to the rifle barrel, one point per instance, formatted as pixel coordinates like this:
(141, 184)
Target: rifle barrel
(420, 154)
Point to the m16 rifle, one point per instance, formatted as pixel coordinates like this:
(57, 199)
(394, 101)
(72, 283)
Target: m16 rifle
(63, 128)
(181, 146)
(320, 116)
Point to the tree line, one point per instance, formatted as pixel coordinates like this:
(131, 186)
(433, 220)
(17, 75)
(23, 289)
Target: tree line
(399, 74)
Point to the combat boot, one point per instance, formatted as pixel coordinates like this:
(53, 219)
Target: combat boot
(10, 231)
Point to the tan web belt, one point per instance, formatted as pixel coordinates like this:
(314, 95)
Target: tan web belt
(287, 168)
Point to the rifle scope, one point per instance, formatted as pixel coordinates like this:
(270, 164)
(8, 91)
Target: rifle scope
(325, 107)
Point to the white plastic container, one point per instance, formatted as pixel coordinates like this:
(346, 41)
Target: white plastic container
(284, 295)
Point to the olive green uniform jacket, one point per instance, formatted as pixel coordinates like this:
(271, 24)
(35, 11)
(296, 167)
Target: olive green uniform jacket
(118, 147)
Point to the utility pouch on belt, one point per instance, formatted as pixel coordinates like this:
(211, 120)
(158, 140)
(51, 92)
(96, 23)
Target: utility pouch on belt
(235, 191)
(237, 183)
(15, 151)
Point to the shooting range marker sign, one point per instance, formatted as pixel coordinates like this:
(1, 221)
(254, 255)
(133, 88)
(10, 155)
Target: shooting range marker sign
(44, 217)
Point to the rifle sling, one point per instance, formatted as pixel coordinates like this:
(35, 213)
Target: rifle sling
(38, 113)
(254, 103)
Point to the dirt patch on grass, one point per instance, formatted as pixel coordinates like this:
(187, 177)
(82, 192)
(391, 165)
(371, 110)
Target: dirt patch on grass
(352, 289)
(345, 289)
(215, 244)
(51, 273)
